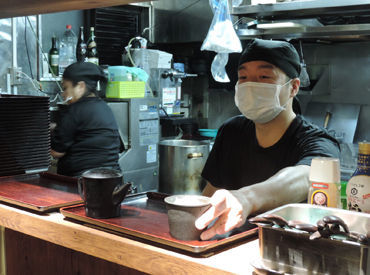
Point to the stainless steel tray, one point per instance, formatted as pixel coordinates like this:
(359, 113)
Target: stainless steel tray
(290, 251)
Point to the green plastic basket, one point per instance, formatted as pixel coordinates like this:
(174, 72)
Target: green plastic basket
(125, 89)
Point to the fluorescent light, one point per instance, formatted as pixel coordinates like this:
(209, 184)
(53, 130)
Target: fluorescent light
(279, 25)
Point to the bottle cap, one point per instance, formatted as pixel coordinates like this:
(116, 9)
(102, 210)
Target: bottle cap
(364, 148)
(69, 27)
(325, 170)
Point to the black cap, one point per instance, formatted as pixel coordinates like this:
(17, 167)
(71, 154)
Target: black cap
(279, 53)
(84, 71)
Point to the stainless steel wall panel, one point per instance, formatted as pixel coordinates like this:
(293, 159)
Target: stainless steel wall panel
(177, 21)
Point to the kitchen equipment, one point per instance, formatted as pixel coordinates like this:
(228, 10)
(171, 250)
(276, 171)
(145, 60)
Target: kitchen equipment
(183, 211)
(181, 164)
(340, 119)
(291, 251)
(43, 192)
(102, 190)
(167, 84)
(138, 126)
(144, 217)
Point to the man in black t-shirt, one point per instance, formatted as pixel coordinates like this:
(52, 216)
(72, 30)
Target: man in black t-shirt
(87, 134)
(263, 156)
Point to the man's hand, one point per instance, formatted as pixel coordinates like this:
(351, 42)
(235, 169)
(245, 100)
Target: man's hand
(230, 207)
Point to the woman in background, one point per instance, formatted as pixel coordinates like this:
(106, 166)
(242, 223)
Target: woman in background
(86, 135)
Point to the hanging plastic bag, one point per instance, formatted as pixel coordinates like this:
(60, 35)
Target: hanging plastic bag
(236, 3)
(221, 35)
(221, 38)
(218, 67)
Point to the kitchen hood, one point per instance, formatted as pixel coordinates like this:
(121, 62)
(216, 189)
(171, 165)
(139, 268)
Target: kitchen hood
(319, 19)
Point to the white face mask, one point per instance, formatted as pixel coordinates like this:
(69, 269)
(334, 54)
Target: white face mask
(259, 101)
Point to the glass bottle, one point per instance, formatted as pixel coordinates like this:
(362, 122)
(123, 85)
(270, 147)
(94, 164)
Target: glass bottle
(92, 51)
(81, 49)
(54, 58)
(358, 187)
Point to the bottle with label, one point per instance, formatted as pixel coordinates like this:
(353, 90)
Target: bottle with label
(92, 49)
(67, 49)
(358, 187)
(54, 58)
(325, 182)
(81, 49)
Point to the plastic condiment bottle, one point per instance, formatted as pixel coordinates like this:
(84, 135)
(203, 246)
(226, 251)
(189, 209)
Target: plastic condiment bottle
(358, 187)
(67, 49)
(325, 182)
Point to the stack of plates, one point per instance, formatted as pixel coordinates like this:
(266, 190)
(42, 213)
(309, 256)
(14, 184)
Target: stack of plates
(24, 134)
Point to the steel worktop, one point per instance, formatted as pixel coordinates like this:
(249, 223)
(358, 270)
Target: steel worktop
(123, 251)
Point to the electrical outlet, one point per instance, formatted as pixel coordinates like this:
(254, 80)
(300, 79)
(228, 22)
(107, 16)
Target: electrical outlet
(15, 76)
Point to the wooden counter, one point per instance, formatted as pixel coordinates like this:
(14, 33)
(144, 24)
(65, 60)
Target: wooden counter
(126, 252)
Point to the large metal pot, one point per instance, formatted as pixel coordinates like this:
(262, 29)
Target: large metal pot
(180, 164)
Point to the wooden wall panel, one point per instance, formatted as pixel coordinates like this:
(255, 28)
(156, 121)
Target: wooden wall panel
(28, 255)
(14, 8)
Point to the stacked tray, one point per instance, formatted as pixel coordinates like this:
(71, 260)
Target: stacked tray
(41, 192)
(24, 134)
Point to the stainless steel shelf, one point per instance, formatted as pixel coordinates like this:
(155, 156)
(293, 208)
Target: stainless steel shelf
(304, 9)
(330, 31)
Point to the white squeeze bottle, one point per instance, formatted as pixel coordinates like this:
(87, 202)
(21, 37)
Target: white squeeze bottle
(325, 182)
(67, 49)
(358, 187)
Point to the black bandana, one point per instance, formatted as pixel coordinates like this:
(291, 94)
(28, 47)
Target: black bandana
(279, 53)
(84, 71)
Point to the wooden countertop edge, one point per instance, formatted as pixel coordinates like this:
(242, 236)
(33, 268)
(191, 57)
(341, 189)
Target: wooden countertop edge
(117, 249)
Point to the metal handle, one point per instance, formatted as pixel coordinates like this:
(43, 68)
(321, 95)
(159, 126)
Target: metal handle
(195, 155)
(327, 118)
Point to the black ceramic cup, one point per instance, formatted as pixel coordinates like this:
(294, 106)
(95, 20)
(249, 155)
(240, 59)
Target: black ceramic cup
(102, 190)
(183, 210)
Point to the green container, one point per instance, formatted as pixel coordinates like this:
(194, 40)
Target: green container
(125, 89)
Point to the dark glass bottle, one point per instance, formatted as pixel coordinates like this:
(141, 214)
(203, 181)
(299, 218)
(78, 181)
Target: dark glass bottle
(54, 58)
(81, 49)
(358, 187)
(92, 51)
